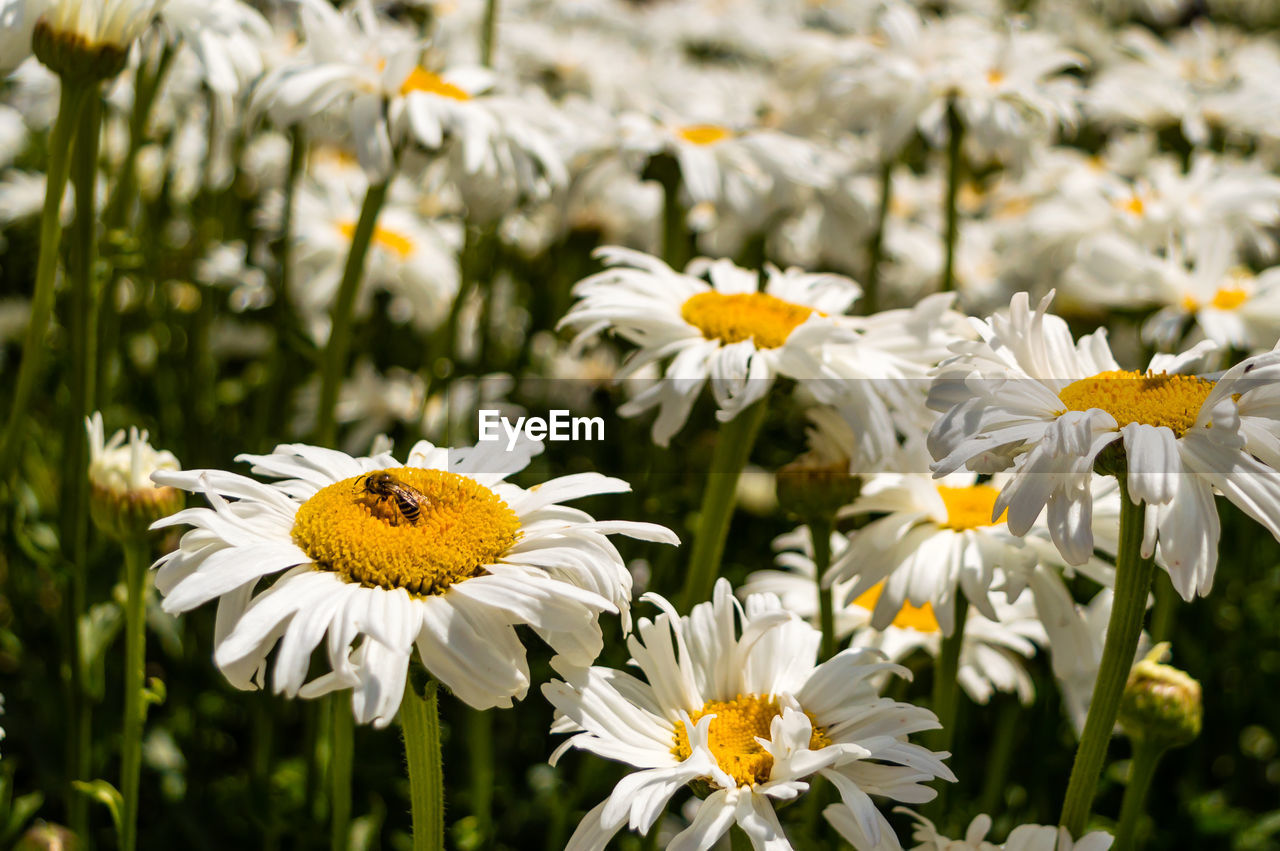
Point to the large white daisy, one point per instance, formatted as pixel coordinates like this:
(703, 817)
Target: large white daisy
(1026, 837)
(725, 329)
(734, 699)
(451, 571)
(1030, 397)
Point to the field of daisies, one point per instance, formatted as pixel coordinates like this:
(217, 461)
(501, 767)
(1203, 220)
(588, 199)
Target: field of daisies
(639, 424)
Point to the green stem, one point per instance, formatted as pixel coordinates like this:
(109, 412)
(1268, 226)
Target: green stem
(946, 682)
(480, 743)
(820, 531)
(1167, 600)
(82, 345)
(1133, 581)
(71, 104)
(871, 292)
(489, 33)
(733, 448)
(1007, 728)
(955, 164)
(420, 723)
(279, 366)
(665, 169)
(145, 92)
(946, 698)
(334, 364)
(1146, 758)
(343, 735)
(136, 552)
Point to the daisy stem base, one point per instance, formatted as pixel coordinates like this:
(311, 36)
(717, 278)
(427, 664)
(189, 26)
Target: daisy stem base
(342, 743)
(334, 363)
(1133, 580)
(875, 251)
(946, 697)
(420, 724)
(1146, 758)
(136, 552)
(733, 448)
(74, 97)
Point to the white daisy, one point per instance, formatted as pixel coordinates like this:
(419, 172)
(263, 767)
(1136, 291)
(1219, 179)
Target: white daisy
(734, 699)
(992, 653)
(1029, 396)
(727, 331)
(451, 565)
(1027, 837)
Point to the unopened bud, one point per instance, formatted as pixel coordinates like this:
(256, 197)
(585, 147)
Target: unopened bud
(123, 501)
(815, 489)
(1161, 703)
(44, 836)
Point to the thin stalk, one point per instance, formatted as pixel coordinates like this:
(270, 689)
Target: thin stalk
(733, 448)
(343, 744)
(420, 724)
(71, 104)
(1133, 581)
(820, 531)
(82, 342)
(489, 33)
(665, 169)
(480, 744)
(144, 98)
(946, 682)
(1001, 756)
(955, 164)
(1167, 600)
(1146, 758)
(334, 363)
(136, 557)
(875, 251)
(946, 698)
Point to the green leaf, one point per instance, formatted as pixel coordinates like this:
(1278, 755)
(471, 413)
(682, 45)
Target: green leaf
(105, 794)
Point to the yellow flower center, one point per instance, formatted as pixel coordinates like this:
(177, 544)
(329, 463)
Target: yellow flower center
(422, 80)
(703, 134)
(732, 737)
(391, 240)
(1172, 401)
(919, 618)
(971, 507)
(1134, 205)
(421, 530)
(759, 317)
(995, 77)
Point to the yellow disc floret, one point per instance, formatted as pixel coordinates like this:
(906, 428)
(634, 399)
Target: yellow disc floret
(919, 618)
(764, 319)
(732, 737)
(423, 530)
(391, 240)
(971, 507)
(422, 80)
(1172, 401)
(704, 134)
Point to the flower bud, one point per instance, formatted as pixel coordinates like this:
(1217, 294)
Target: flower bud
(1161, 703)
(123, 501)
(813, 488)
(44, 836)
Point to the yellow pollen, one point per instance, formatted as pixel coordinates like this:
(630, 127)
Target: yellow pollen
(759, 317)
(995, 77)
(1229, 298)
(971, 507)
(1134, 206)
(1172, 401)
(386, 238)
(364, 537)
(422, 80)
(919, 618)
(703, 134)
(732, 737)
